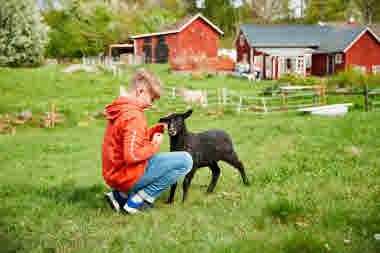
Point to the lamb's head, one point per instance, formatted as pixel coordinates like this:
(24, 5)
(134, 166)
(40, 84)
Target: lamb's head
(176, 122)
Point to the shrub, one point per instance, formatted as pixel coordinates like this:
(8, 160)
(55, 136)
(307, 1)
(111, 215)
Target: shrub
(348, 79)
(22, 34)
(299, 80)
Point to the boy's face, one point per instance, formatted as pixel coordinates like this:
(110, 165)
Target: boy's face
(146, 96)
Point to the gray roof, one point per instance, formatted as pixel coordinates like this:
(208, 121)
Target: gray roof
(320, 38)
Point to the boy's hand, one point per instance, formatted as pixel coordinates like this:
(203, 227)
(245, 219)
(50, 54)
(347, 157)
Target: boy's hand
(158, 138)
(165, 125)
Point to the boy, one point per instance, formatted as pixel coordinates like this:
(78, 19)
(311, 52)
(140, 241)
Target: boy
(132, 168)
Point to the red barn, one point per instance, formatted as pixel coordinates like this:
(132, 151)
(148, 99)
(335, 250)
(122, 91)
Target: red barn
(194, 35)
(307, 50)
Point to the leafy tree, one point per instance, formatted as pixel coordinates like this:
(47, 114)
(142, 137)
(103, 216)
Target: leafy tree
(327, 10)
(80, 29)
(268, 11)
(222, 13)
(22, 34)
(369, 9)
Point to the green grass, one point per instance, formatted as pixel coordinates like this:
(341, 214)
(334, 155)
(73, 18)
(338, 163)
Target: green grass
(308, 191)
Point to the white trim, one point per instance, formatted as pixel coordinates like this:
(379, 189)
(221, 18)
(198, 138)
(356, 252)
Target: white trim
(374, 34)
(359, 36)
(199, 15)
(132, 143)
(251, 61)
(153, 34)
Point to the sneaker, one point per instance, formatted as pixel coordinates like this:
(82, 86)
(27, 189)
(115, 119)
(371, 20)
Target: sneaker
(131, 207)
(115, 200)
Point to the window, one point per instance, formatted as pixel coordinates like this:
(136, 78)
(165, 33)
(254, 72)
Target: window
(338, 58)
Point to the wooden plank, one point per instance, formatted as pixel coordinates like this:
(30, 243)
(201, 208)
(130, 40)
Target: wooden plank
(326, 107)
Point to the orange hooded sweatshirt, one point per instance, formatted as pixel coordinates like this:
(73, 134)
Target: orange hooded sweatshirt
(127, 144)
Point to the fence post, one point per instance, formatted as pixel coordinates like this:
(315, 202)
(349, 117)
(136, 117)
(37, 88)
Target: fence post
(224, 96)
(315, 96)
(240, 102)
(366, 97)
(265, 106)
(283, 99)
(219, 102)
(52, 114)
(205, 94)
(173, 92)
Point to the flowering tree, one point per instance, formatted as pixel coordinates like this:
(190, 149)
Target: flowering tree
(22, 34)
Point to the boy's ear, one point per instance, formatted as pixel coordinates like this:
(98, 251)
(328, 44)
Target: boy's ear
(123, 92)
(188, 113)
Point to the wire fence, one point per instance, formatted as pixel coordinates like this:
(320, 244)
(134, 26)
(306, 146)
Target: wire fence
(222, 99)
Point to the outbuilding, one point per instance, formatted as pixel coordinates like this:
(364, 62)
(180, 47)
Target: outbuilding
(194, 35)
(307, 50)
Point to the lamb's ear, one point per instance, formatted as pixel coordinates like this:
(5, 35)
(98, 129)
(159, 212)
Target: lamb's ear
(188, 113)
(123, 92)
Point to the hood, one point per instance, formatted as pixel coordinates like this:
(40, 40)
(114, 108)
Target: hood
(121, 105)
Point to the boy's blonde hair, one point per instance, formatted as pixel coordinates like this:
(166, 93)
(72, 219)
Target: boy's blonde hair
(146, 78)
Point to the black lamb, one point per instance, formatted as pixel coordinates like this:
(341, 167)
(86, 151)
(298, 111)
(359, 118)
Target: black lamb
(206, 148)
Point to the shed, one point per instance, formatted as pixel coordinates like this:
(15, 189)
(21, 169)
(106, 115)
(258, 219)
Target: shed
(194, 35)
(306, 49)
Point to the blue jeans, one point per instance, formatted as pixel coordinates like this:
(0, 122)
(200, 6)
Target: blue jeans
(163, 170)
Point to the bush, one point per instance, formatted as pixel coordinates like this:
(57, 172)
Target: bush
(348, 79)
(292, 79)
(22, 34)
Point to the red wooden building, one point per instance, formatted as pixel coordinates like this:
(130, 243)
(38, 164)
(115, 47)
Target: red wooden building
(307, 50)
(194, 35)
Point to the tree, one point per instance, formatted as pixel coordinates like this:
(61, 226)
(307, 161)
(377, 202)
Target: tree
(22, 34)
(82, 28)
(328, 10)
(222, 13)
(269, 10)
(369, 9)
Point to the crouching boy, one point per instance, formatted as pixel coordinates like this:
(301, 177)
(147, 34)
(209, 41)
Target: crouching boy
(132, 168)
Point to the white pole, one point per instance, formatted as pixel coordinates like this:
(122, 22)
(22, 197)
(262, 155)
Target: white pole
(205, 94)
(240, 102)
(224, 95)
(265, 107)
(173, 92)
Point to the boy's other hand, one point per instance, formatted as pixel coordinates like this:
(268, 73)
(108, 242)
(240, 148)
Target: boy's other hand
(158, 138)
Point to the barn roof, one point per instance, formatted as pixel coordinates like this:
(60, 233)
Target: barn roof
(323, 39)
(179, 26)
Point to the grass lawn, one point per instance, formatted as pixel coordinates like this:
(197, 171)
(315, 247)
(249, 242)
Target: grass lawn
(315, 181)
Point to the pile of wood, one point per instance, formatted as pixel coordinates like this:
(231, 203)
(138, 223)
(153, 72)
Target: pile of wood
(209, 64)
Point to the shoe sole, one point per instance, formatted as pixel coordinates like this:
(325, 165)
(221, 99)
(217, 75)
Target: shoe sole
(112, 203)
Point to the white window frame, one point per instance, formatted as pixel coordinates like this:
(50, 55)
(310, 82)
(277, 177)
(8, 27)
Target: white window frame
(338, 58)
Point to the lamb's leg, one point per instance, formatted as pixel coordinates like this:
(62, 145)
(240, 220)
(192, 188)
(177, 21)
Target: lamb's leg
(187, 182)
(172, 193)
(215, 175)
(234, 161)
